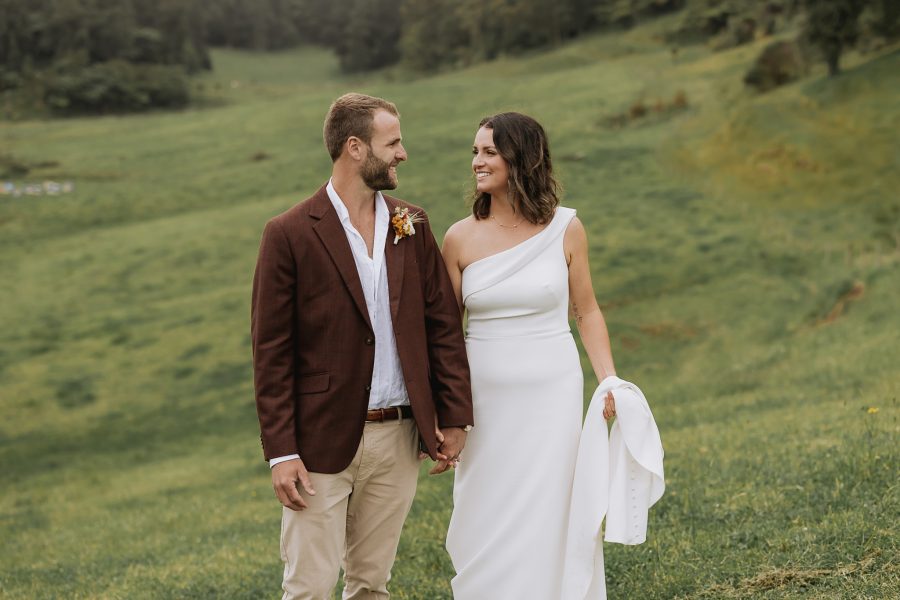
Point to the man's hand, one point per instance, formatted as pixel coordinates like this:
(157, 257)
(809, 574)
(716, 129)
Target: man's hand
(440, 440)
(285, 476)
(454, 441)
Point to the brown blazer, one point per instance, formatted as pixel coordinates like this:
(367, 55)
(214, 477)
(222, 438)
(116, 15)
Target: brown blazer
(313, 345)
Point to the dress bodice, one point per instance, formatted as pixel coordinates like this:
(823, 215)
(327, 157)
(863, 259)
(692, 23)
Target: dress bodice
(521, 291)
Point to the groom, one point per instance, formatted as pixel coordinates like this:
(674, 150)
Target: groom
(359, 360)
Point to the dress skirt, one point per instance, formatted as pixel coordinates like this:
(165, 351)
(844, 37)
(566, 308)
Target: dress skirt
(513, 486)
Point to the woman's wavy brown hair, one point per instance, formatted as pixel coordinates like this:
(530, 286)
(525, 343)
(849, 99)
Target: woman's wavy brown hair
(522, 143)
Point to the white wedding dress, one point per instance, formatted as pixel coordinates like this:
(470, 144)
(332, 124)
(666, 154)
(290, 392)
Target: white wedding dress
(513, 487)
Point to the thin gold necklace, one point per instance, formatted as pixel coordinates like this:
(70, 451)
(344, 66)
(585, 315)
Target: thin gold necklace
(507, 226)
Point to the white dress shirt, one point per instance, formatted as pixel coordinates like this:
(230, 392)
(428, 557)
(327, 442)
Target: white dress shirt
(388, 385)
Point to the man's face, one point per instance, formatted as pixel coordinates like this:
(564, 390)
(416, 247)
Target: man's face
(384, 153)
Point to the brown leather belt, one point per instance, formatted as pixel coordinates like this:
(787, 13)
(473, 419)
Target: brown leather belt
(388, 414)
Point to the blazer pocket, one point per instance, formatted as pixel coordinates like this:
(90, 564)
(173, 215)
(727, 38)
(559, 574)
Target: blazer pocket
(311, 384)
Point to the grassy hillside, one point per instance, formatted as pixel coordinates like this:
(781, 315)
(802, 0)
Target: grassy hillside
(746, 250)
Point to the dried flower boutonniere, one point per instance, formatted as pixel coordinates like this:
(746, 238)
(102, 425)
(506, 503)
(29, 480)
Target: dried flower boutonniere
(404, 223)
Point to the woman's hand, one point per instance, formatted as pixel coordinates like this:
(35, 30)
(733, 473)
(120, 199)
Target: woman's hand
(609, 406)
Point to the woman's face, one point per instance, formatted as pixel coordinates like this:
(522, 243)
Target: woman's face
(491, 171)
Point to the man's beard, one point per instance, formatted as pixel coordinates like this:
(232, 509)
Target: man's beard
(376, 173)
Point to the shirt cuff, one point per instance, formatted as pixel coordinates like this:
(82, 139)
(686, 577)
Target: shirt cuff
(282, 459)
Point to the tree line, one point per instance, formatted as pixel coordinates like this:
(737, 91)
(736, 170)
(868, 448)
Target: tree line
(423, 34)
(128, 54)
(94, 55)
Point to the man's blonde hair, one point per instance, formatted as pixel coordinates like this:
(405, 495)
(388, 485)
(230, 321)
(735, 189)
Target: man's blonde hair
(351, 115)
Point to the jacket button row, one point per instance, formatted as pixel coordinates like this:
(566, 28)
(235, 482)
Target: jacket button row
(368, 388)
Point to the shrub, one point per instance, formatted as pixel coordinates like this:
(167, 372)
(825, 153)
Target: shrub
(11, 167)
(729, 23)
(637, 110)
(779, 63)
(680, 101)
(117, 86)
(9, 80)
(739, 32)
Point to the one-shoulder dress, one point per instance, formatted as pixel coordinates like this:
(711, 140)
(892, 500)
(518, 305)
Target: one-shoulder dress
(513, 487)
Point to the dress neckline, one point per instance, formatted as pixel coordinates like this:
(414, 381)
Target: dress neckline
(517, 245)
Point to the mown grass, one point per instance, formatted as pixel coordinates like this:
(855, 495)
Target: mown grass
(745, 251)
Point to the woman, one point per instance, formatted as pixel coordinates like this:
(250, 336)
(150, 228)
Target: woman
(518, 264)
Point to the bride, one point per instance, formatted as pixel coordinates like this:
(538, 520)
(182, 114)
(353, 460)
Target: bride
(519, 267)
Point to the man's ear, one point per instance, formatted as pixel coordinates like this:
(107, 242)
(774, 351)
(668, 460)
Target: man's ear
(355, 148)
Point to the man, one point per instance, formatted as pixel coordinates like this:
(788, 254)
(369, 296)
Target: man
(359, 360)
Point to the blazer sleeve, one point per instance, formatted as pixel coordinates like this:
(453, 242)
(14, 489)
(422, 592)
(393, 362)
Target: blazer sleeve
(450, 384)
(272, 334)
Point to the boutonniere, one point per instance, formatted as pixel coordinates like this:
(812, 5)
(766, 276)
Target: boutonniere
(404, 223)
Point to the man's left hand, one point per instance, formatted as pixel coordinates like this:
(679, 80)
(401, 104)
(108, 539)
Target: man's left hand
(452, 446)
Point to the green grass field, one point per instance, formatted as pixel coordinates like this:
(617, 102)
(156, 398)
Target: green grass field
(746, 251)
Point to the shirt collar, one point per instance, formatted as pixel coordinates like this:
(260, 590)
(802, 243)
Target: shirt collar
(381, 210)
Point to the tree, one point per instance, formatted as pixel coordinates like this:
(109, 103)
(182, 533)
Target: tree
(370, 38)
(887, 13)
(833, 25)
(319, 21)
(432, 35)
(102, 55)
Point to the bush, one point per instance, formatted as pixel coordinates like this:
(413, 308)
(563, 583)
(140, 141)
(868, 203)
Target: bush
(12, 167)
(680, 101)
(637, 109)
(117, 86)
(9, 80)
(779, 63)
(729, 23)
(739, 32)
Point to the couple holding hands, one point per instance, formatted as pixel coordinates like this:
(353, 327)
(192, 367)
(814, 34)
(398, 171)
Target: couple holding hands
(362, 368)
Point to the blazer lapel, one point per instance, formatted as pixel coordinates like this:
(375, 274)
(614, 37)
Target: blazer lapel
(334, 238)
(393, 260)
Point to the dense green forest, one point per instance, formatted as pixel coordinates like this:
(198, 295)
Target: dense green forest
(111, 55)
(101, 54)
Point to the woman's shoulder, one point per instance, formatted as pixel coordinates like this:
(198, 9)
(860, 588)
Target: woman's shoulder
(461, 229)
(575, 231)
(569, 216)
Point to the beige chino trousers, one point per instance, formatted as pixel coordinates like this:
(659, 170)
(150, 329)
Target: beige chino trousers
(354, 520)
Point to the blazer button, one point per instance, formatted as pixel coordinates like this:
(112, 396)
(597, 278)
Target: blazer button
(368, 388)
(369, 341)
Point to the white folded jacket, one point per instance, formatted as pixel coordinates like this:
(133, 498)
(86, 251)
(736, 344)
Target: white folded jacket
(618, 476)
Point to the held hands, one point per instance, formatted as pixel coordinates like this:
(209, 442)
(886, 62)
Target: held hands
(285, 476)
(451, 440)
(609, 406)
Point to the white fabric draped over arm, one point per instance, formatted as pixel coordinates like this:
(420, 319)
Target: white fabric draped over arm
(619, 476)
